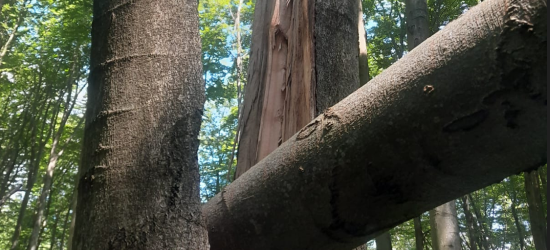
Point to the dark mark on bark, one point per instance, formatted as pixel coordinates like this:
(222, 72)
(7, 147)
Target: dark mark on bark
(307, 130)
(494, 96)
(467, 122)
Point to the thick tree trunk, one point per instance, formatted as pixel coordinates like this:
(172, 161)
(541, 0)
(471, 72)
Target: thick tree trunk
(139, 180)
(536, 212)
(300, 49)
(337, 183)
(444, 226)
(383, 241)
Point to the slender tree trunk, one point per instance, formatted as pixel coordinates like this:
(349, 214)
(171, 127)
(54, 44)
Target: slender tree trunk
(364, 75)
(339, 177)
(536, 212)
(514, 201)
(480, 221)
(139, 177)
(37, 151)
(472, 232)
(238, 69)
(55, 153)
(66, 224)
(7, 45)
(53, 237)
(383, 241)
(418, 233)
(73, 217)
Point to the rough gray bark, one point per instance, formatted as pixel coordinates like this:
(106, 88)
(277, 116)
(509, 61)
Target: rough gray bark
(536, 210)
(383, 241)
(337, 183)
(418, 29)
(444, 225)
(139, 180)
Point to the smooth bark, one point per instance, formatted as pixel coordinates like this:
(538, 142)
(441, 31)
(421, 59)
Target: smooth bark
(444, 225)
(337, 183)
(139, 177)
(383, 241)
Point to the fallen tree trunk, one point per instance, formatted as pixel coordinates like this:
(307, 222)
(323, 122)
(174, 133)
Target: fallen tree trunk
(463, 110)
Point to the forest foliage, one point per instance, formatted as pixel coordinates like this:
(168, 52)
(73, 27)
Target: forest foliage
(44, 56)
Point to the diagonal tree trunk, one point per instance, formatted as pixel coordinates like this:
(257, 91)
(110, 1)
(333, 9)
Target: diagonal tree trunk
(55, 153)
(139, 177)
(337, 182)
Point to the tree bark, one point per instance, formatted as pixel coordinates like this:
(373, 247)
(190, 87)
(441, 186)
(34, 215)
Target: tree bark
(364, 75)
(472, 229)
(444, 225)
(536, 212)
(418, 29)
(418, 233)
(337, 182)
(383, 241)
(299, 50)
(515, 215)
(139, 179)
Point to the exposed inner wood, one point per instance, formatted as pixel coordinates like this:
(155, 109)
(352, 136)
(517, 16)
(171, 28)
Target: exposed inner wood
(287, 88)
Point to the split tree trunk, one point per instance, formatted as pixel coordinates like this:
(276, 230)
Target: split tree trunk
(337, 182)
(536, 210)
(139, 179)
(303, 60)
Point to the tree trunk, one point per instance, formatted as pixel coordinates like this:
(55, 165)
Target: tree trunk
(480, 221)
(383, 241)
(515, 215)
(418, 29)
(364, 76)
(292, 76)
(418, 233)
(55, 153)
(337, 182)
(139, 179)
(536, 212)
(444, 225)
(472, 229)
